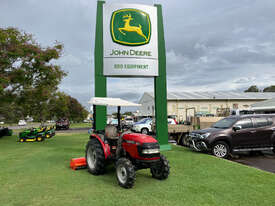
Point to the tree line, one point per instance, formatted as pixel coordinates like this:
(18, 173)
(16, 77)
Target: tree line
(29, 79)
(254, 88)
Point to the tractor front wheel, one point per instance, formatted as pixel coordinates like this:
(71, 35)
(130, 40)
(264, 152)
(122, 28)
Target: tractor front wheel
(21, 140)
(95, 157)
(161, 171)
(125, 173)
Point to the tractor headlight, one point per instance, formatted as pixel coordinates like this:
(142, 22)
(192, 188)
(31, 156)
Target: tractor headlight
(150, 151)
(203, 136)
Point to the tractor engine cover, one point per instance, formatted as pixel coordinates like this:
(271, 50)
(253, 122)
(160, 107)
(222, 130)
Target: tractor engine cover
(141, 147)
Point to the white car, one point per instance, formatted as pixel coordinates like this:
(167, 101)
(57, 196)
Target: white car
(113, 122)
(22, 122)
(129, 121)
(143, 126)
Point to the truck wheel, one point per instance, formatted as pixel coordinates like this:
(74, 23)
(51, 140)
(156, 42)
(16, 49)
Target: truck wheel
(162, 171)
(181, 140)
(95, 157)
(220, 149)
(125, 173)
(144, 131)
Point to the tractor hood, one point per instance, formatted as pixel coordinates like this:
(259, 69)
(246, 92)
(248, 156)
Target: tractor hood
(140, 138)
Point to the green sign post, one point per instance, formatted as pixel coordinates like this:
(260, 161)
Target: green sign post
(160, 88)
(100, 79)
(133, 27)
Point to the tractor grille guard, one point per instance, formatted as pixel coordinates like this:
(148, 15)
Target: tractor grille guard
(148, 146)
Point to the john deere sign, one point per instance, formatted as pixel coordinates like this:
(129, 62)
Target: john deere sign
(130, 40)
(130, 27)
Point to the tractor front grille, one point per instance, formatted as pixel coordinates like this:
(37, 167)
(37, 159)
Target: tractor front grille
(148, 146)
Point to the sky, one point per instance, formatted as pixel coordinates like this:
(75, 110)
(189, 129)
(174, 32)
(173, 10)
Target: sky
(211, 45)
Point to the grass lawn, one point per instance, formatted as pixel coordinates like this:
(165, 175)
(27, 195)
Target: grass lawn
(39, 174)
(81, 125)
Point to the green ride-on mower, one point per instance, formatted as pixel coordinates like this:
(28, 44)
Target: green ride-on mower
(32, 135)
(49, 131)
(128, 151)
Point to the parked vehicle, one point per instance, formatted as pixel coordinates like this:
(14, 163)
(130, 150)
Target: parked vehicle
(5, 131)
(143, 126)
(49, 131)
(241, 112)
(113, 122)
(22, 122)
(235, 134)
(62, 124)
(32, 135)
(87, 121)
(129, 121)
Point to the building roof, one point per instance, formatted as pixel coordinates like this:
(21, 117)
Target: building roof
(264, 105)
(218, 95)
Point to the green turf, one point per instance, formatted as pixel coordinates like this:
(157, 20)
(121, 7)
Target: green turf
(81, 125)
(39, 174)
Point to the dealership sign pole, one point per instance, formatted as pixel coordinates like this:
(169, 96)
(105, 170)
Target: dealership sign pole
(130, 43)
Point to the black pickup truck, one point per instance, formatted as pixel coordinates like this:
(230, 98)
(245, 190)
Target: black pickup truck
(235, 134)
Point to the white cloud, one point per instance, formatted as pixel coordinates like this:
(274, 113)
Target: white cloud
(211, 45)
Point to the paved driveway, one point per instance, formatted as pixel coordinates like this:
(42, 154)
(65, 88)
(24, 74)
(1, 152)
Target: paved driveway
(264, 161)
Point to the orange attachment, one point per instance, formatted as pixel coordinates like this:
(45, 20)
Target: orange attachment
(78, 163)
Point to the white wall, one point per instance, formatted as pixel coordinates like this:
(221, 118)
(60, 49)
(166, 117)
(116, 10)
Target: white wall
(178, 107)
(148, 105)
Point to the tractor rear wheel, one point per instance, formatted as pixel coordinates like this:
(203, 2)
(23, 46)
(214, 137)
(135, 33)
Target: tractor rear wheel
(161, 171)
(125, 173)
(95, 157)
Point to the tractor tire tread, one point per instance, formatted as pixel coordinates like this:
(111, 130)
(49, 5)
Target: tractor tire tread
(100, 163)
(130, 171)
(163, 170)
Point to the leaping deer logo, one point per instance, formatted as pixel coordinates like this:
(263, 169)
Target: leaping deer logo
(127, 27)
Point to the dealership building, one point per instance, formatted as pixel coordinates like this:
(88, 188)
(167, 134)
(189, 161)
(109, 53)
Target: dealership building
(185, 104)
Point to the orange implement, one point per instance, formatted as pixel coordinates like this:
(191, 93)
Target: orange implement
(78, 163)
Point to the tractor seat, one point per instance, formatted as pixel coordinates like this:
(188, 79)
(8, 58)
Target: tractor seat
(111, 132)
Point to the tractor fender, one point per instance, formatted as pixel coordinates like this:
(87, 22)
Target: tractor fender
(105, 147)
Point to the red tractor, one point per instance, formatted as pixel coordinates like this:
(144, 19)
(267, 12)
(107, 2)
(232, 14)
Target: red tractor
(129, 151)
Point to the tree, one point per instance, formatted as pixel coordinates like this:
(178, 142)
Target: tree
(77, 111)
(62, 105)
(269, 89)
(252, 88)
(128, 113)
(28, 74)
